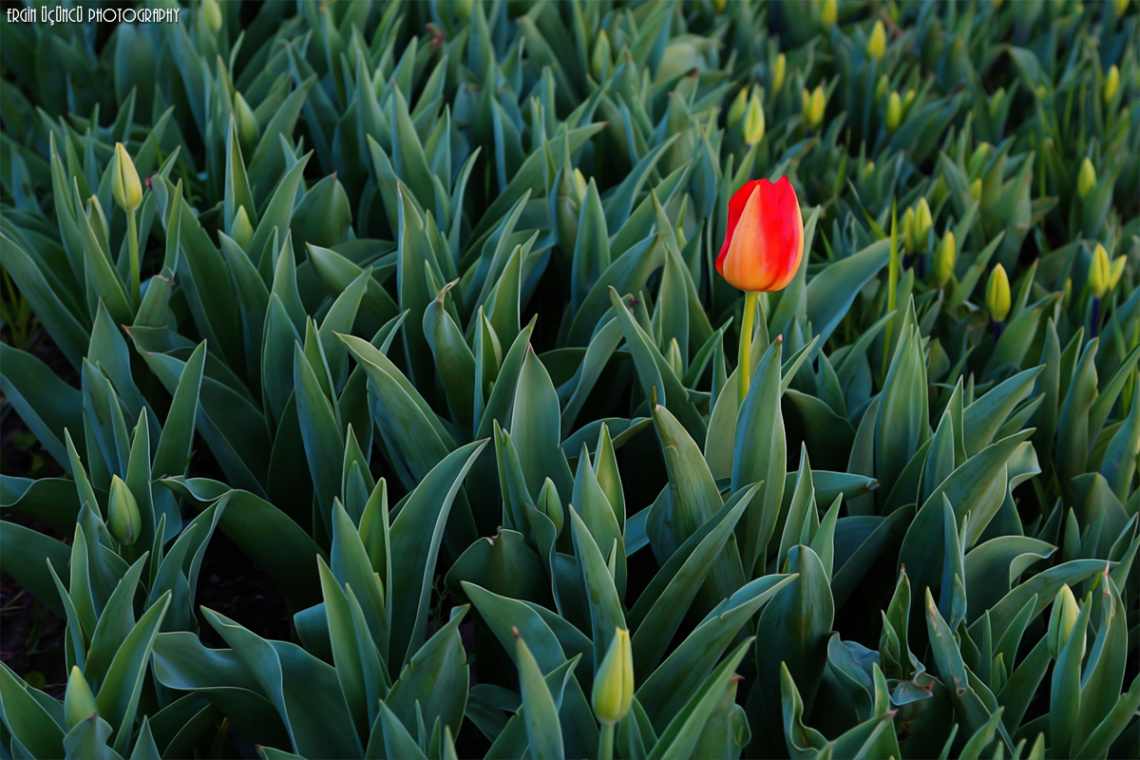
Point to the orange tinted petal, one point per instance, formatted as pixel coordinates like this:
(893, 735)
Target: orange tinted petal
(736, 206)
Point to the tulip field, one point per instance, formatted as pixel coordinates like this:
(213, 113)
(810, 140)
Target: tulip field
(640, 379)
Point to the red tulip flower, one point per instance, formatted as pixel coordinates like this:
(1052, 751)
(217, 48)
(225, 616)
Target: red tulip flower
(765, 241)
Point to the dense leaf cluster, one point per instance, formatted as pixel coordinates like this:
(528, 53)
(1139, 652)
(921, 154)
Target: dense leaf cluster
(429, 327)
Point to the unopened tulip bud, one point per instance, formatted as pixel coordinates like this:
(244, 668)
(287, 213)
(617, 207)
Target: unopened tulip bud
(922, 224)
(1100, 273)
(907, 230)
(212, 15)
(868, 169)
(681, 239)
(613, 683)
(550, 505)
(125, 186)
(944, 260)
(247, 126)
(1062, 621)
(877, 43)
(894, 112)
(881, 87)
(123, 515)
(1111, 82)
(909, 98)
(78, 701)
(1120, 8)
(738, 108)
(719, 5)
(976, 189)
(816, 107)
(1067, 298)
(997, 294)
(779, 70)
(829, 13)
(580, 186)
(754, 119)
(1086, 179)
(242, 231)
(600, 61)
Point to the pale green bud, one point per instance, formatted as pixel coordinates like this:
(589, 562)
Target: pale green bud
(600, 60)
(247, 126)
(737, 109)
(613, 683)
(907, 231)
(1086, 179)
(868, 169)
(976, 189)
(242, 231)
(829, 12)
(1062, 621)
(944, 260)
(719, 5)
(1120, 8)
(909, 98)
(816, 107)
(882, 86)
(997, 294)
(877, 43)
(125, 186)
(123, 515)
(673, 357)
(1100, 273)
(922, 224)
(754, 119)
(550, 505)
(894, 112)
(212, 15)
(1111, 82)
(78, 702)
(779, 70)
(580, 186)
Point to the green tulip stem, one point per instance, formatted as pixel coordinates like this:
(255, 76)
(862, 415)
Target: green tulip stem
(744, 361)
(133, 240)
(606, 742)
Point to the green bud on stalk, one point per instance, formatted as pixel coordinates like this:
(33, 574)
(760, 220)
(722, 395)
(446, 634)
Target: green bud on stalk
(613, 684)
(123, 515)
(78, 702)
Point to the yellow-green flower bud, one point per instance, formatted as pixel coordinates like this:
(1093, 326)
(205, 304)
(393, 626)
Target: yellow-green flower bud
(881, 87)
(754, 119)
(779, 70)
(242, 230)
(613, 683)
(829, 12)
(1100, 273)
(550, 505)
(877, 43)
(997, 294)
(600, 60)
(1086, 179)
(894, 112)
(247, 126)
(580, 187)
(212, 15)
(816, 107)
(922, 224)
(1115, 272)
(463, 9)
(944, 260)
(868, 169)
(907, 231)
(909, 98)
(681, 239)
(1121, 7)
(1042, 91)
(737, 109)
(125, 186)
(1067, 298)
(1062, 620)
(976, 189)
(1111, 82)
(78, 702)
(997, 3)
(673, 357)
(719, 5)
(123, 515)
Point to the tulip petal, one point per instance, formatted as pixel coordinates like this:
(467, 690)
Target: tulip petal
(736, 206)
